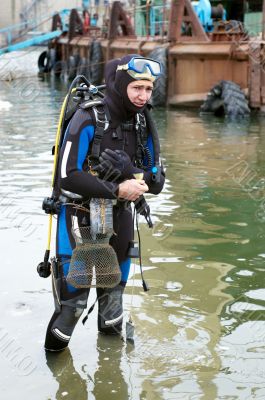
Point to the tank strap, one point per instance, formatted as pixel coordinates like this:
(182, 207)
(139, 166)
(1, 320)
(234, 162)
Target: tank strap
(102, 124)
(101, 117)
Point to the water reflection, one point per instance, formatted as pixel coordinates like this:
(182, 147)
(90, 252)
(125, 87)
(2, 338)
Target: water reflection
(225, 227)
(71, 384)
(178, 329)
(110, 378)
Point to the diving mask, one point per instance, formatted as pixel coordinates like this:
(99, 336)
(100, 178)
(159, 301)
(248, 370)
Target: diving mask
(142, 68)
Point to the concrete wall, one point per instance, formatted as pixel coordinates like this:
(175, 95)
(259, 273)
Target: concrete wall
(10, 9)
(9, 12)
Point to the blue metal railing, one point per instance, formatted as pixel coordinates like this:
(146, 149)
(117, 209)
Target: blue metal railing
(19, 30)
(31, 42)
(13, 32)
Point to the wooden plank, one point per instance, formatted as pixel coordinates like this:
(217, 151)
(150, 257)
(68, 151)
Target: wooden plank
(126, 44)
(254, 84)
(240, 73)
(121, 47)
(148, 46)
(262, 74)
(81, 40)
(172, 73)
(200, 74)
(207, 49)
(193, 99)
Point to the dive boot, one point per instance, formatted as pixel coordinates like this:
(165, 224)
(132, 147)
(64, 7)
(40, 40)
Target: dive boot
(61, 327)
(110, 310)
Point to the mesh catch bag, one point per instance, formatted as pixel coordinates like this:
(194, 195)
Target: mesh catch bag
(94, 262)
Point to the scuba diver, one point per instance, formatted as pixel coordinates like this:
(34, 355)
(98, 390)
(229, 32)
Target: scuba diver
(119, 133)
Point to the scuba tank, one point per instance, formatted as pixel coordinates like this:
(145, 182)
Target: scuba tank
(82, 90)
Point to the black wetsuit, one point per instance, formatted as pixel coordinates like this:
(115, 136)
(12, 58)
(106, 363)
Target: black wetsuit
(74, 176)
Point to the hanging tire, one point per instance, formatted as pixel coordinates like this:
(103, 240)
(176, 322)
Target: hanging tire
(96, 63)
(226, 98)
(60, 68)
(83, 67)
(52, 57)
(159, 96)
(72, 64)
(44, 62)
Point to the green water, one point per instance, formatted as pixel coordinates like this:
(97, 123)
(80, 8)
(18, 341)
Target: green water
(200, 330)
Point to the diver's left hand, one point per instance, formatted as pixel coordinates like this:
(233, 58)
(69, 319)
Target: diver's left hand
(116, 164)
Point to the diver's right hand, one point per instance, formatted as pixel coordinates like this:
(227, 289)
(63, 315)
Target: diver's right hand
(131, 189)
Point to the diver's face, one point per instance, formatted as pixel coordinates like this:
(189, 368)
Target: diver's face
(140, 92)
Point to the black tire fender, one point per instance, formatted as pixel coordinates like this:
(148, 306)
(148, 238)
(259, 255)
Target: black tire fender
(44, 62)
(72, 67)
(226, 98)
(83, 67)
(59, 68)
(52, 57)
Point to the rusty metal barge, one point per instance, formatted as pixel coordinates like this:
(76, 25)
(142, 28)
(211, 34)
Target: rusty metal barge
(194, 58)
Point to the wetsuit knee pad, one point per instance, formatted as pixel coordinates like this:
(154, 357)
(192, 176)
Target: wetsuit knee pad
(110, 310)
(61, 327)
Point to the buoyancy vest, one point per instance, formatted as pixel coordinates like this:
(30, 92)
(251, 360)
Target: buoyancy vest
(143, 124)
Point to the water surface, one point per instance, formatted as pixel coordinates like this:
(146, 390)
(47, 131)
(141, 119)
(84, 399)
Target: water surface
(200, 330)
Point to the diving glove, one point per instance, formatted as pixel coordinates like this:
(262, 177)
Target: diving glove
(116, 164)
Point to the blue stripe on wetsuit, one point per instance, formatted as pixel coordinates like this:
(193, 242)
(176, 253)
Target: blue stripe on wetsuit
(64, 245)
(125, 269)
(86, 137)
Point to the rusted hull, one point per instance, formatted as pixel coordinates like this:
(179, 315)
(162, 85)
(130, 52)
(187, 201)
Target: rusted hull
(78, 45)
(196, 61)
(193, 69)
